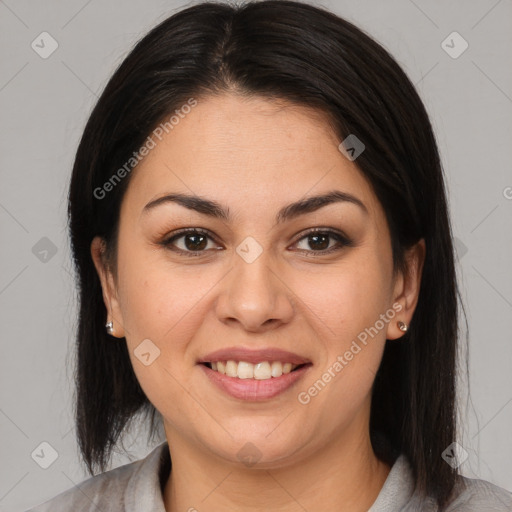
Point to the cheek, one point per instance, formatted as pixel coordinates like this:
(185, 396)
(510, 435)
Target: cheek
(161, 305)
(347, 304)
(157, 304)
(361, 301)
(162, 300)
(345, 299)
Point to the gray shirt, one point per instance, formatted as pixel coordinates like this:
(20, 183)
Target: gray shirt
(137, 487)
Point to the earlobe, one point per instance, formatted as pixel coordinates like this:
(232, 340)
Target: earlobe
(114, 324)
(407, 290)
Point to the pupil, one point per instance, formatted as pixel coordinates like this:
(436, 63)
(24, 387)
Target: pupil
(196, 245)
(323, 245)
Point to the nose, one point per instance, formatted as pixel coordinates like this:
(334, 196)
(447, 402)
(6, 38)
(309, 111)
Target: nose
(254, 296)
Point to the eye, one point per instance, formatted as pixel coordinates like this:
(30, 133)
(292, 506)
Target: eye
(319, 239)
(195, 242)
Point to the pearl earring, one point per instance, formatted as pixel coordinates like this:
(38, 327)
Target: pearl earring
(402, 326)
(110, 327)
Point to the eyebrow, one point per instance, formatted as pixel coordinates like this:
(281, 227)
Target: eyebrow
(289, 212)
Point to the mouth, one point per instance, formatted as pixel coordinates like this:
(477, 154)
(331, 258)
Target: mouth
(253, 375)
(263, 370)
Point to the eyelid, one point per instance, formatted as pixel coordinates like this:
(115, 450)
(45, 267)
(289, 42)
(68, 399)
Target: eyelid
(343, 239)
(175, 235)
(326, 231)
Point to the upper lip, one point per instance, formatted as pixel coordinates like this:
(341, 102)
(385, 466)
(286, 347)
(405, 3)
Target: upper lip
(253, 356)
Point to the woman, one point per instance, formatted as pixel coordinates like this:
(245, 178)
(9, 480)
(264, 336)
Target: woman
(259, 224)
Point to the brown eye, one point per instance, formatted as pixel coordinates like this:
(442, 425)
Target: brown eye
(320, 241)
(195, 241)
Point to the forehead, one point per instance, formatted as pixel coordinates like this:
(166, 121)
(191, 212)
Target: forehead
(248, 153)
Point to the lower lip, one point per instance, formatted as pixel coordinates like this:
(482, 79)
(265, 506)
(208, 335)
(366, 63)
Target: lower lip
(253, 389)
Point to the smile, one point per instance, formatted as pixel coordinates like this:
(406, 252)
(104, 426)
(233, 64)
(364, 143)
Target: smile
(251, 374)
(260, 371)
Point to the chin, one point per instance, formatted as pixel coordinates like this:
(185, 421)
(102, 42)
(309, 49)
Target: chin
(258, 449)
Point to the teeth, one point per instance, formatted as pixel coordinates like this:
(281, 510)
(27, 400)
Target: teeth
(231, 369)
(276, 369)
(260, 371)
(245, 370)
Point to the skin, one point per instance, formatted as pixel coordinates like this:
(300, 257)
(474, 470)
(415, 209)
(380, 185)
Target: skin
(255, 156)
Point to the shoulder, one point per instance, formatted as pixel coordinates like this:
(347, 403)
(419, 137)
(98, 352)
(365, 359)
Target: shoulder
(468, 495)
(475, 495)
(98, 492)
(117, 490)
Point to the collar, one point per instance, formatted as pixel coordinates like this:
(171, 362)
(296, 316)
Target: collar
(145, 486)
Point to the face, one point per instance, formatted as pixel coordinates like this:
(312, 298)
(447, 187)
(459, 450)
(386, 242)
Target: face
(255, 284)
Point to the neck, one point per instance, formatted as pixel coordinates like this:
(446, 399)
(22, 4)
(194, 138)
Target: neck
(343, 475)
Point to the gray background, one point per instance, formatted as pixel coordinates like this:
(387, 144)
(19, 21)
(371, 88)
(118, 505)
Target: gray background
(44, 105)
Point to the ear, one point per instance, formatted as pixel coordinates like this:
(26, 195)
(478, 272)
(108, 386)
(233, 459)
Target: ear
(407, 289)
(108, 286)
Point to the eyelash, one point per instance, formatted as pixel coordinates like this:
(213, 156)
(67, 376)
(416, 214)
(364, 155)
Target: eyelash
(341, 239)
